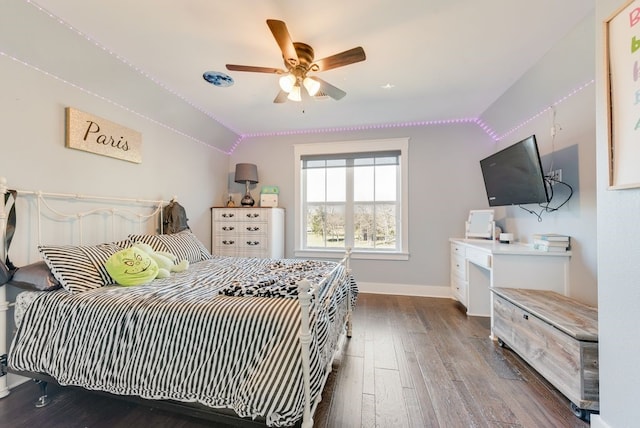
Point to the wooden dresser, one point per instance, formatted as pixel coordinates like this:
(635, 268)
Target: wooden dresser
(557, 336)
(247, 232)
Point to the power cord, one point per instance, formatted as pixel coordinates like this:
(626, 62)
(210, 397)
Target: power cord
(547, 208)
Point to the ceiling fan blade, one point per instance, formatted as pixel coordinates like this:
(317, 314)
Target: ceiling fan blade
(234, 67)
(330, 90)
(281, 97)
(281, 34)
(340, 60)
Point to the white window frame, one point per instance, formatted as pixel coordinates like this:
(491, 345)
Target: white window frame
(301, 150)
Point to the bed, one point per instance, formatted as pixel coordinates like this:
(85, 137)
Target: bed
(254, 337)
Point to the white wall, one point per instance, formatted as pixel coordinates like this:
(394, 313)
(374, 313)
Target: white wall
(618, 269)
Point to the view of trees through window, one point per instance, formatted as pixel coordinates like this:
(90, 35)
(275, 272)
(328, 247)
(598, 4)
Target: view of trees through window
(374, 226)
(352, 202)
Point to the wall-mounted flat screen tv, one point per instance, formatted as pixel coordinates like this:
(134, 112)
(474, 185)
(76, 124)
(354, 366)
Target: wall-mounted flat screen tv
(513, 176)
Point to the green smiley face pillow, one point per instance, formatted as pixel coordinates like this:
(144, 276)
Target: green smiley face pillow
(132, 266)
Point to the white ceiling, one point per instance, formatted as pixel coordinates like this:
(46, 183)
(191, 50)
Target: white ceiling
(445, 59)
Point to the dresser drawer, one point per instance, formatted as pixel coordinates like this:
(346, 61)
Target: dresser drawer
(251, 229)
(225, 246)
(248, 232)
(253, 243)
(225, 216)
(226, 228)
(252, 215)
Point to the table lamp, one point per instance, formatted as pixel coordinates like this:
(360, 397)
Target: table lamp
(246, 173)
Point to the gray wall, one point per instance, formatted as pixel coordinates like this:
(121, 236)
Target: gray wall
(559, 92)
(34, 156)
(445, 180)
(444, 184)
(32, 134)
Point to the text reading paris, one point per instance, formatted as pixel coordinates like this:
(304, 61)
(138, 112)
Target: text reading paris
(105, 140)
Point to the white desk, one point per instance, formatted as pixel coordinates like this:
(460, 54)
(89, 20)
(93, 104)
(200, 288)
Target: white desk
(478, 265)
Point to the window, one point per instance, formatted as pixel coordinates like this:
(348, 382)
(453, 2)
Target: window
(351, 195)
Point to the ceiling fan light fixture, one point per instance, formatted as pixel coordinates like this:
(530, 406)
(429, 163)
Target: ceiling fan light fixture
(294, 95)
(287, 82)
(299, 60)
(311, 85)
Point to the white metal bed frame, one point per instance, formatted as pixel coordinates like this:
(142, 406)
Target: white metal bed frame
(305, 294)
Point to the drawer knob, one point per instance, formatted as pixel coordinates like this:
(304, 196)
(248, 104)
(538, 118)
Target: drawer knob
(253, 215)
(228, 227)
(525, 316)
(228, 242)
(253, 229)
(253, 242)
(226, 215)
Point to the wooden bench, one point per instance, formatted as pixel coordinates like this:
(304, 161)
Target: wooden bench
(557, 336)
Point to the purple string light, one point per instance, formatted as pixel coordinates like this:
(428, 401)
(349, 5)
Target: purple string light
(241, 137)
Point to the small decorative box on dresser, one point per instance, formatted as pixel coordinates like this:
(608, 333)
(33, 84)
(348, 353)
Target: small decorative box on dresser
(557, 336)
(247, 232)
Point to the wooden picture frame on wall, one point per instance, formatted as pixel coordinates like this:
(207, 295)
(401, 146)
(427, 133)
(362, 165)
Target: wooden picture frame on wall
(622, 68)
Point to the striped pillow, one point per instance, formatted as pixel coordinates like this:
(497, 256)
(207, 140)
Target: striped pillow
(79, 268)
(184, 245)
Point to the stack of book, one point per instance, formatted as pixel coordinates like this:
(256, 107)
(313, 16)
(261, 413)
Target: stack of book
(551, 242)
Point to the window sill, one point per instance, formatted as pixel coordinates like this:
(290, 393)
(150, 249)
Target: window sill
(355, 254)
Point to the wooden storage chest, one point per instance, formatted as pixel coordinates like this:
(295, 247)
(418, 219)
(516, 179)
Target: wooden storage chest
(557, 336)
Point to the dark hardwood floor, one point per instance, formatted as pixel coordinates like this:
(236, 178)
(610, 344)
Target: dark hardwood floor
(412, 362)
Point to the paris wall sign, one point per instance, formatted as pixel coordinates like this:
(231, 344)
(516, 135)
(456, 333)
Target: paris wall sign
(97, 135)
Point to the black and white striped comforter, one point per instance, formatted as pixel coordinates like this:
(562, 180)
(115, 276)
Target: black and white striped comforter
(179, 338)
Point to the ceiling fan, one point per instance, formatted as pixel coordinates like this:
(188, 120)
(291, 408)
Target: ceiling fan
(298, 60)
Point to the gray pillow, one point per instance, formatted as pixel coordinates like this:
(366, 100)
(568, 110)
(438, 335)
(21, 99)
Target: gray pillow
(35, 277)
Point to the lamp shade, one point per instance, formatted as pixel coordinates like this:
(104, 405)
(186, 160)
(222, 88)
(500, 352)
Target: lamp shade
(286, 82)
(246, 172)
(295, 95)
(311, 85)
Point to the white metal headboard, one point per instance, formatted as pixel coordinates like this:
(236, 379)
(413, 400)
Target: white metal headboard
(41, 199)
(141, 211)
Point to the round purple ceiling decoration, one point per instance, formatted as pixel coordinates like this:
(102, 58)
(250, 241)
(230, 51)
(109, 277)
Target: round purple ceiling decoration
(218, 79)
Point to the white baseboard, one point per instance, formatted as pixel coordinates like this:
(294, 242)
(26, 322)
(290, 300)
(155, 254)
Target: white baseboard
(405, 289)
(597, 422)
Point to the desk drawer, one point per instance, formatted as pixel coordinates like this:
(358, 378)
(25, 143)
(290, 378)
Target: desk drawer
(479, 257)
(458, 266)
(457, 250)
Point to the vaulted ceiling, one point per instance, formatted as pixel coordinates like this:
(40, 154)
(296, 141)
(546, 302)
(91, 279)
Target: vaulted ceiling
(425, 59)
